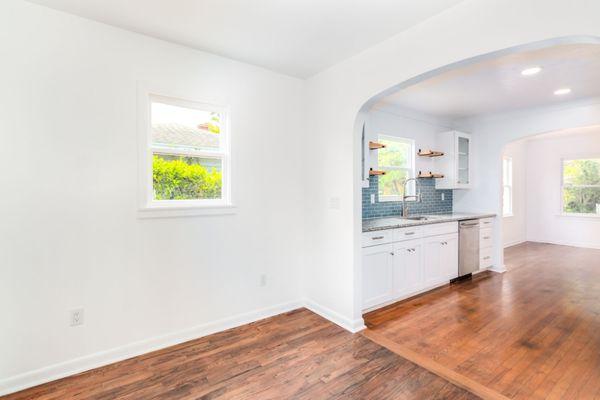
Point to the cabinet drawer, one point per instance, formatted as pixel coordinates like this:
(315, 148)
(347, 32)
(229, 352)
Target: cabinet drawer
(413, 232)
(440, 229)
(486, 223)
(485, 238)
(376, 237)
(485, 258)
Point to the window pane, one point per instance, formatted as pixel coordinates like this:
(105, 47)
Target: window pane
(185, 128)
(581, 200)
(186, 178)
(581, 172)
(463, 145)
(395, 154)
(392, 183)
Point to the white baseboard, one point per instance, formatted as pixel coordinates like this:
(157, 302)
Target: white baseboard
(96, 360)
(78, 365)
(516, 242)
(353, 326)
(585, 245)
(499, 270)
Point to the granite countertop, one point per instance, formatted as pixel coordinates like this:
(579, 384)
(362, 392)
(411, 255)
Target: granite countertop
(377, 224)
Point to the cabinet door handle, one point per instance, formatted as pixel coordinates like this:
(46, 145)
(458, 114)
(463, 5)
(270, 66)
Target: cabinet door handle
(486, 258)
(391, 253)
(377, 237)
(486, 237)
(409, 233)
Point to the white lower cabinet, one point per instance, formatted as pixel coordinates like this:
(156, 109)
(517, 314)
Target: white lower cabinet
(377, 274)
(440, 259)
(400, 269)
(408, 274)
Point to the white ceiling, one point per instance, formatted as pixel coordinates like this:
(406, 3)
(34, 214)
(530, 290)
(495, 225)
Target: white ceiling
(496, 85)
(295, 37)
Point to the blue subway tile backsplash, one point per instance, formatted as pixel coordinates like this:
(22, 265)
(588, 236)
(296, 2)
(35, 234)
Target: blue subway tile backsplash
(431, 201)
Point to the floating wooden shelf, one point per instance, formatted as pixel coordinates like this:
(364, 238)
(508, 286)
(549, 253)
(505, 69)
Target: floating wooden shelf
(430, 153)
(430, 175)
(375, 172)
(376, 146)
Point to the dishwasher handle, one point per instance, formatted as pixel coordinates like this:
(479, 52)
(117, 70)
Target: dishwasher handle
(469, 224)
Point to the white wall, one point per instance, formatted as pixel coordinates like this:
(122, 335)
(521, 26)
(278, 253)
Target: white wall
(514, 227)
(544, 220)
(470, 29)
(493, 132)
(69, 232)
(394, 121)
(70, 236)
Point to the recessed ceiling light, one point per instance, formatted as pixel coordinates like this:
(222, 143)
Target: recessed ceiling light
(531, 71)
(562, 91)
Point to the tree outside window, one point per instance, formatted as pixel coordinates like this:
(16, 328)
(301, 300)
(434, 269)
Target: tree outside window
(398, 161)
(581, 186)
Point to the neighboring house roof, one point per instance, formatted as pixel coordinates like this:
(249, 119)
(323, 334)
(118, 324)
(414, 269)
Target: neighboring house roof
(179, 135)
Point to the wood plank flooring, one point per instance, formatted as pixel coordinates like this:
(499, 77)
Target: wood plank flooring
(297, 355)
(531, 333)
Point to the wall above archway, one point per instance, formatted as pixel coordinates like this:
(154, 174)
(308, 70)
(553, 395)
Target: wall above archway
(470, 29)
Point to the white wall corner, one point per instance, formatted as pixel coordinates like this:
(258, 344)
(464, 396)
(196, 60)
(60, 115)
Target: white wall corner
(502, 269)
(350, 325)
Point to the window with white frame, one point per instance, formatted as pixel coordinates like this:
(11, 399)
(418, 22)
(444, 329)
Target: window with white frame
(397, 160)
(581, 186)
(507, 182)
(188, 154)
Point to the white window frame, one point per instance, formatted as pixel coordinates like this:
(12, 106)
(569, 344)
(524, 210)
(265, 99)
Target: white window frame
(507, 161)
(148, 206)
(562, 187)
(411, 170)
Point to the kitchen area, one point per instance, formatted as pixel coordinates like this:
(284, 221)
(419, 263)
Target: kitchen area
(412, 239)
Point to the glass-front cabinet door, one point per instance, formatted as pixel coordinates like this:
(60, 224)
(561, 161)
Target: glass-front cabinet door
(463, 160)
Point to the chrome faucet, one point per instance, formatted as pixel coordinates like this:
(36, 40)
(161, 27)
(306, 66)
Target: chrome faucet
(417, 196)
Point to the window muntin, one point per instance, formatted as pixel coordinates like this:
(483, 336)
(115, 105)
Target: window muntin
(581, 186)
(188, 153)
(398, 161)
(507, 183)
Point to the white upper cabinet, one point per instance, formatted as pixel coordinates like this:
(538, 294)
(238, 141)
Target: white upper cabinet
(456, 162)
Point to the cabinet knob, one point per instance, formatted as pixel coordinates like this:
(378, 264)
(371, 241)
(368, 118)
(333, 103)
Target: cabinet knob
(391, 253)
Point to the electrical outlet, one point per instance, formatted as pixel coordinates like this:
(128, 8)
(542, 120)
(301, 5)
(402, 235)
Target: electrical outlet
(443, 196)
(373, 198)
(263, 279)
(77, 317)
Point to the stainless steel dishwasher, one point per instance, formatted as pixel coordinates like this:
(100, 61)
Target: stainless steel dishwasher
(468, 247)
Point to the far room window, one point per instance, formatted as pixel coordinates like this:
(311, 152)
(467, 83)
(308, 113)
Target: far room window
(398, 161)
(188, 154)
(581, 186)
(507, 181)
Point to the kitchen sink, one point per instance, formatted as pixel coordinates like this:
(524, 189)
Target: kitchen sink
(416, 218)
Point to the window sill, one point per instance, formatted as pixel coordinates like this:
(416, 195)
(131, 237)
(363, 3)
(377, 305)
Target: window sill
(396, 199)
(174, 211)
(585, 216)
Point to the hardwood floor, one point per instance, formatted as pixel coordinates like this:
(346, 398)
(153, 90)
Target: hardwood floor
(531, 333)
(297, 355)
